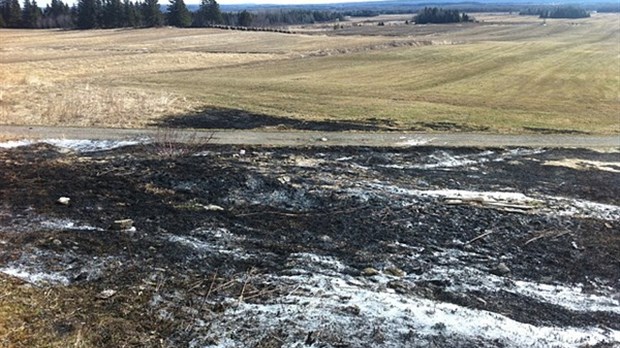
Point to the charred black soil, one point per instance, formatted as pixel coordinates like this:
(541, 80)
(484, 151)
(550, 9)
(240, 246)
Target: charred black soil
(223, 235)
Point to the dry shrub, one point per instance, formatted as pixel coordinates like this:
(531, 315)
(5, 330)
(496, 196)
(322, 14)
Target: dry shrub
(169, 142)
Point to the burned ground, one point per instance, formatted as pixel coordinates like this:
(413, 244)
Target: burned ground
(322, 247)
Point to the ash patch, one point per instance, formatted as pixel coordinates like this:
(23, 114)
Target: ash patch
(326, 247)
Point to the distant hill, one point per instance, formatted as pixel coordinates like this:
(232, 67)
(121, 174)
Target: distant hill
(406, 6)
(396, 6)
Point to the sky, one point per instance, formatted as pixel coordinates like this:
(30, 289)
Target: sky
(284, 2)
(42, 3)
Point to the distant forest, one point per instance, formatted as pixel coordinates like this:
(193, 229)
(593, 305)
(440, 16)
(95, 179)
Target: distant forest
(90, 14)
(439, 15)
(557, 12)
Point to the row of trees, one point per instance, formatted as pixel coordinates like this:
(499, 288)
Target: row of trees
(556, 12)
(88, 14)
(439, 15)
(294, 16)
(30, 16)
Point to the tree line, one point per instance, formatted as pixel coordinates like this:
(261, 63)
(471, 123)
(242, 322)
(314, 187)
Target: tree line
(556, 12)
(440, 15)
(90, 14)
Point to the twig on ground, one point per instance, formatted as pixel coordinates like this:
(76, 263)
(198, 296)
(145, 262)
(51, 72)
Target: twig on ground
(346, 211)
(546, 234)
(224, 286)
(192, 326)
(211, 286)
(245, 283)
(261, 293)
(479, 237)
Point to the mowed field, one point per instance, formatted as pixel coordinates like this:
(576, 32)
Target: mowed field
(507, 74)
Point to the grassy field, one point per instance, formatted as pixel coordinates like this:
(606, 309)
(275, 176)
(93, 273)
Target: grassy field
(508, 74)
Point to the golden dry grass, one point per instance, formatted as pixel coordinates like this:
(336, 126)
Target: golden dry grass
(53, 77)
(509, 74)
(61, 317)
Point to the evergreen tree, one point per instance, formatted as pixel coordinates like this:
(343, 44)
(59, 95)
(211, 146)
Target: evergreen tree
(87, 14)
(245, 18)
(112, 14)
(31, 14)
(57, 15)
(4, 9)
(178, 15)
(36, 16)
(209, 13)
(130, 14)
(11, 13)
(74, 14)
(151, 14)
(25, 13)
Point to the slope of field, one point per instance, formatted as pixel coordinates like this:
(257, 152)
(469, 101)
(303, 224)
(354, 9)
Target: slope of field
(506, 74)
(71, 77)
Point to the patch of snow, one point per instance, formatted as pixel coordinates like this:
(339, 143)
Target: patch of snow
(583, 164)
(572, 298)
(46, 266)
(519, 152)
(446, 160)
(416, 141)
(442, 159)
(14, 143)
(360, 312)
(64, 224)
(462, 194)
(90, 145)
(583, 208)
(469, 279)
(211, 241)
(35, 277)
(552, 205)
(78, 145)
(308, 263)
(357, 314)
(342, 159)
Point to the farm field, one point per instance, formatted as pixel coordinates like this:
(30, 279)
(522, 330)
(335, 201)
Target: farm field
(289, 201)
(507, 74)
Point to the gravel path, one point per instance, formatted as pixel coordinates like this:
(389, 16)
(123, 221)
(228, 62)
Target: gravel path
(296, 138)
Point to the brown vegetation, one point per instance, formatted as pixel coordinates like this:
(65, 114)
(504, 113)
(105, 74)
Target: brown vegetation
(504, 74)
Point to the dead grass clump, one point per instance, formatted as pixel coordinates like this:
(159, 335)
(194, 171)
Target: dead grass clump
(84, 105)
(74, 316)
(169, 142)
(157, 190)
(32, 317)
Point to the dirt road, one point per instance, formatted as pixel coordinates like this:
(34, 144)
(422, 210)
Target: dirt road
(296, 138)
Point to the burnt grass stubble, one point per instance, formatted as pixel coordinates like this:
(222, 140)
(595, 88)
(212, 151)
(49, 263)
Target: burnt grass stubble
(164, 194)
